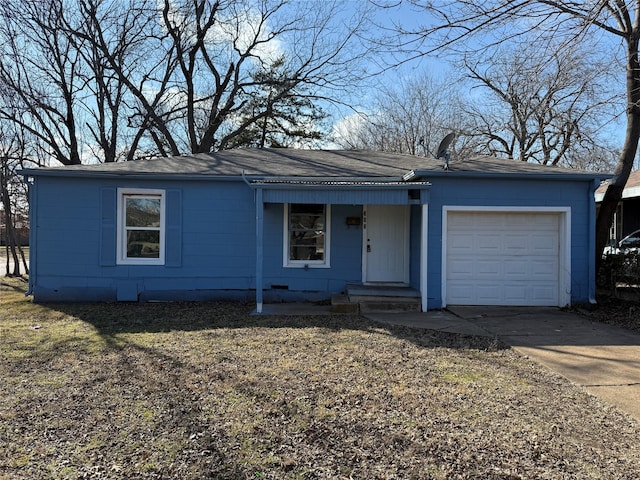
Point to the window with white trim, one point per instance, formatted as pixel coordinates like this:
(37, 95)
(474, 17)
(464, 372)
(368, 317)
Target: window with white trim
(141, 226)
(306, 232)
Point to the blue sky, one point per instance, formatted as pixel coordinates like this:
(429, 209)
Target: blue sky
(410, 17)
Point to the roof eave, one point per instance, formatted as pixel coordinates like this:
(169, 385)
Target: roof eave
(414, 175)
(36, 172)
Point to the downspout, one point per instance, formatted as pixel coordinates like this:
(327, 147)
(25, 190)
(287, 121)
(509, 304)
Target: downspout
(592, 240)
(259, 247)
(33, 232)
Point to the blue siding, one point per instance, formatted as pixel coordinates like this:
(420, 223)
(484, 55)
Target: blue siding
(108, 201)
(516, 193)
(211, 239)
(396, 196)
(209, 233)
(173, 251)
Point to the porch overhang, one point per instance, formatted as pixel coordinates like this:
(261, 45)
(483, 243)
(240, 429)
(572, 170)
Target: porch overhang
(342, 191)
(370, 191)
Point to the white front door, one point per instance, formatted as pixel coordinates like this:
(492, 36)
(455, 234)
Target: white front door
(386, 244)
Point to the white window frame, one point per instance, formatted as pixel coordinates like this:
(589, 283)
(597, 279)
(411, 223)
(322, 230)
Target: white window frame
(324, 263)
(121, 250)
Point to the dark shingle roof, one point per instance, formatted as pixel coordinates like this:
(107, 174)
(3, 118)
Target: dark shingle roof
(304, 163)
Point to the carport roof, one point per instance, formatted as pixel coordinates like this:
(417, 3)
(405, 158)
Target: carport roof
(288, 163)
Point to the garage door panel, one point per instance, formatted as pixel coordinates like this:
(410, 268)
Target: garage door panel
(461, 268)
(488, 243)
(542, 293)
(487, 269)
(515, 294)
(544, 270)
(546, 243)
(479, 220)
(502, 258)
(517, 269)
(515, 243)
(461, 244)
(489, 292)
(464, 292)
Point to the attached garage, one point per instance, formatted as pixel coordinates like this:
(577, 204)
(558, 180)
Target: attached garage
(505, 257)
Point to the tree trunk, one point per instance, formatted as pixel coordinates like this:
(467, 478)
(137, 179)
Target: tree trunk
(11, 238)
(613, 194)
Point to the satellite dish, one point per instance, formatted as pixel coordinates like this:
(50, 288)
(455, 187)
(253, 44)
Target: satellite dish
(444, 145)
(443, 149)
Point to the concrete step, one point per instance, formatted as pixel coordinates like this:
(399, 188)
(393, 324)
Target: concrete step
(342, 304)
(371, 304)
(356, 290)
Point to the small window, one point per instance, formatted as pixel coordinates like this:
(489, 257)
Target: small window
(306, 235)
(140, 227)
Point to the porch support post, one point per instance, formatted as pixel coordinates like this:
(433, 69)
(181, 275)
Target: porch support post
(424, 297)
(259, 247)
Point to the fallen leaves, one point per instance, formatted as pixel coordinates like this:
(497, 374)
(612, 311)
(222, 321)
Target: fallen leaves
(191, 391)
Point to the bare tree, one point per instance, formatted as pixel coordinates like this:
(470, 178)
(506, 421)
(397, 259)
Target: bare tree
(200, 71)
(13, 196)
(411, 117)
(110, 80)
(613, 26)
(57, 85)
(542, 107)
(40, 70)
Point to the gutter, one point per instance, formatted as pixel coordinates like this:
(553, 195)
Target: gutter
(414, 175)
(36, 172)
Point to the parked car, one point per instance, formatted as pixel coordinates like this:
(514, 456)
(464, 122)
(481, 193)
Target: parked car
(629, 244)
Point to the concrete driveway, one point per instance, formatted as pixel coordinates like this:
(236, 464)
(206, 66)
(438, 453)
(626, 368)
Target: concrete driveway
(603, 359)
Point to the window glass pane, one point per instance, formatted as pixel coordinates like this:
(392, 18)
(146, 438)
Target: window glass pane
(143, 212)
(303, 216)
(631, 242)
(306, 232)
(143, 244)
(306, 246)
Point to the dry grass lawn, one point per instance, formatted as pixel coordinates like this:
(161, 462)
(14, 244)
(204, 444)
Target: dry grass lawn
(193, 391)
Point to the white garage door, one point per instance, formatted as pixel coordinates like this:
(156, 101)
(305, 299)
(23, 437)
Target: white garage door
(502, 258)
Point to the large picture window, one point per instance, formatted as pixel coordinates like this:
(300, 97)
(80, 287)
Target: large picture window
(141, 220)
(307, 235)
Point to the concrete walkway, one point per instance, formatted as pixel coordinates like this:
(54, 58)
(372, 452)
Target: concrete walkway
(603, 359)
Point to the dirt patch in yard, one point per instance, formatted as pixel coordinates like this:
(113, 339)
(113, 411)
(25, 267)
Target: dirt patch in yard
(614, 311)
(205, 390)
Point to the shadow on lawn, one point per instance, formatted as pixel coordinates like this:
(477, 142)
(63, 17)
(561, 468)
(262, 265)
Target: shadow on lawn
(17, 284)
(115, 318)
(210, 451)
(178, 394)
